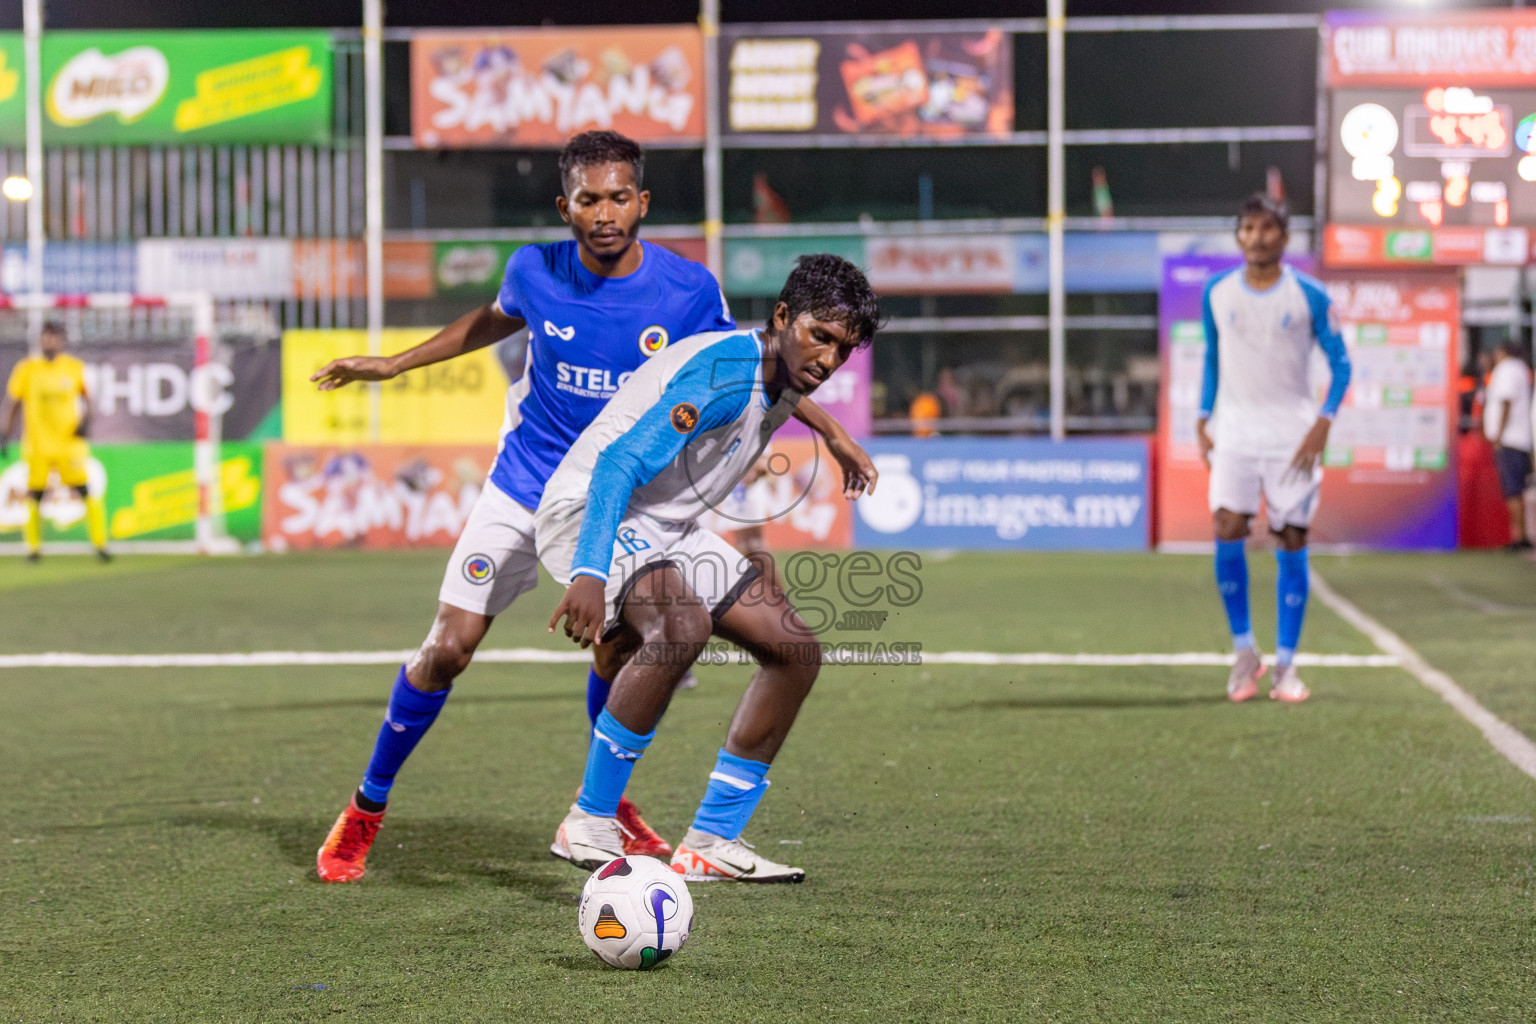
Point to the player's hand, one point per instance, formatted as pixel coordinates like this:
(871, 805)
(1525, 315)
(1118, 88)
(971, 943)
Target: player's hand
(340, 372)
(1205, 443)
(859, 472)
(1312, 447)
(582, 609)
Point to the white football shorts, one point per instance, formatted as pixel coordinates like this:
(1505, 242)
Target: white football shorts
(715, 571)
(1290, 497)
(494, 561)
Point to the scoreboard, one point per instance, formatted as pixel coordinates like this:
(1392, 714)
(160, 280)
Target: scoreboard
(1431, 138)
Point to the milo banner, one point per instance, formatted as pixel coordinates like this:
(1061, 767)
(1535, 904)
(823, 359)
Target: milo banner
(145, 390)
(536, 87)
(151, 494)
(370, 496)
(868, 83)
(13, 107)
(132, 88)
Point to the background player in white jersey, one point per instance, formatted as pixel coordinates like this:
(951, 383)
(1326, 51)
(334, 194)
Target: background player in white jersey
(1262, 433)
(599, 305)
(619, 522)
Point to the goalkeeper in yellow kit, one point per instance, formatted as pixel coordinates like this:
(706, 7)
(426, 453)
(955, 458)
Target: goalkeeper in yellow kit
(49, 390)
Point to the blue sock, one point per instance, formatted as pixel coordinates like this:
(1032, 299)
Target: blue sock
(610, 759)
(597, 694)
(1232, 580)
(1291, 602)
(736, 786)
(411, 713)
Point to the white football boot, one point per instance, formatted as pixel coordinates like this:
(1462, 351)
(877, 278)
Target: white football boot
(588, 841)
(1247, 669)
(702, 857)
(1288, 686)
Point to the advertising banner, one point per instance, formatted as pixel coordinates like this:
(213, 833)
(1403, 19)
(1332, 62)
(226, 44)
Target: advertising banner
(899, 84)
(798, 503)
(13, 105)
(1375, 48)
(144, 390)
(370, 496)
(1008, 493)
(757, 267)
(538, 87)
(151, 493)
(169, 87)
(461, 401)
(1389, 481)
(227, 268)
(73, 268)
(927, 265)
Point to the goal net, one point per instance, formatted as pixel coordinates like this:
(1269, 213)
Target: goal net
(159, 386)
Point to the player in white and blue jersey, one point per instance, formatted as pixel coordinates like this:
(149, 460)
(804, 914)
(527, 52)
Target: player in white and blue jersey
(597, 307)
(1262, 431)
(619, 523)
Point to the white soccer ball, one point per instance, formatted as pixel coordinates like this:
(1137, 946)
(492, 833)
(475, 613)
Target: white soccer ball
(635, 912)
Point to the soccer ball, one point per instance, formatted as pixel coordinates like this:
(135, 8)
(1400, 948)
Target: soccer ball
(635, 912)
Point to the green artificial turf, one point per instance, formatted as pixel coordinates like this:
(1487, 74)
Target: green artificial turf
(988, 844)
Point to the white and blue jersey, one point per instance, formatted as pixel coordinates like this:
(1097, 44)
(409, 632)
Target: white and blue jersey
(587, 335)
(1256, 388)
(680, 434)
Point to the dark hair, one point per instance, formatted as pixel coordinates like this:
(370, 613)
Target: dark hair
(603, 147)
(54, 327)
(1513, 348)
(1261, 203)
(830, 288)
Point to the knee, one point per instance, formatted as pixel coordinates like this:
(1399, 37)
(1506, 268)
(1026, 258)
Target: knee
(686, 623)
(442, 659)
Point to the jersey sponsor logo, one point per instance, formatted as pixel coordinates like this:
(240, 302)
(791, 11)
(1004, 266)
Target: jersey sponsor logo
(631, 541)
(685, 416)
(589, 381)
(563, 333)
(653, 339)
(478, 569)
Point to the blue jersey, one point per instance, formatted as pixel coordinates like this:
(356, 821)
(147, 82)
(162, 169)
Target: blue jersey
(587, 335)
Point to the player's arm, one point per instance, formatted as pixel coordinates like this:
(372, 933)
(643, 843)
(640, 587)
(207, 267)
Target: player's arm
(859, 473)
(14, 407)
(631, 461)
(1209, 377)
(83, 428)
(15, 387)
(474, 330)
(1332, 343)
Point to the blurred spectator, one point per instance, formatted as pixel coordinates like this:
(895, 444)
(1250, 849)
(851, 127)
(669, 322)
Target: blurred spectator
(924, 413)
(1507, 424)
(948, 390)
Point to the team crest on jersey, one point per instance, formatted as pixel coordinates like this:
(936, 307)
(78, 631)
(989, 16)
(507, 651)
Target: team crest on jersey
(653, 339)
(685, 416)
(479, 569)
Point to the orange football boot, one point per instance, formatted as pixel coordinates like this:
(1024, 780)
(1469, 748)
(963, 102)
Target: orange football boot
(344, 855)
(640, 840)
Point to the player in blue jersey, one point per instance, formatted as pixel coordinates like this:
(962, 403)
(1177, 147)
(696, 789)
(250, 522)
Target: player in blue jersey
(597, 308)
(619, 524)
(1262, 431)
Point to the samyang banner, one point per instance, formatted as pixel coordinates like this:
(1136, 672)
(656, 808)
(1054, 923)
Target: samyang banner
(538, 87)
(867, 83)
(135, 88)
(13, 106)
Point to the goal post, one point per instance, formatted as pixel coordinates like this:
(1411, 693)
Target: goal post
(184, 322)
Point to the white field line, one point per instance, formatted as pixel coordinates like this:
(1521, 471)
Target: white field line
(844, 655)
(1505, 738)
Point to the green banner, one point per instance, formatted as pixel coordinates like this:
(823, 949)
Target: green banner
(758, 266)
(471, 268)
(126, 88)
(13, 107)
(151, 493)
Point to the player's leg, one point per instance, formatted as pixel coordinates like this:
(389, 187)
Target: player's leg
(1234, 498)
(763, 623)
(665, 627)
(1291, 500)
(72, 473)
(640, 840)
(491, 565)
(37, 485)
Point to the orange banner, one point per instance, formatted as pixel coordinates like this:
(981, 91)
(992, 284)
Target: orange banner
(539, 87)
(370, 496)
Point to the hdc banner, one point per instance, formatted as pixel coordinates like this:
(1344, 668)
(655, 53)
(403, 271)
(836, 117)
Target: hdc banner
(538, 87)
(1014, 493)
(1389, 481)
